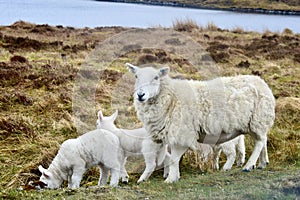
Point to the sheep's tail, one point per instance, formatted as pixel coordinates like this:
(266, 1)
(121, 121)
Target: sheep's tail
(162, 154)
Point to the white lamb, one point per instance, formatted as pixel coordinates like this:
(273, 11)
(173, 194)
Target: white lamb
(181, 113)
(234, 151)
(75, 156)
(136, 142)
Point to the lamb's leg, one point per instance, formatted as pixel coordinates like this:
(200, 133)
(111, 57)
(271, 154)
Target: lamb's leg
(150, 160)
(76, 178)
(176, 153)
(241, 151)
(104, 173)
(216, 155)
(115, 175)
(166, 165)
(259, 142)
(124, 175)
(263, 157)
(229, 151)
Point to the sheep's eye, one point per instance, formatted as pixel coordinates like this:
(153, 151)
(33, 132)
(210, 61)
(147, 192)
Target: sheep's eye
(156, 78)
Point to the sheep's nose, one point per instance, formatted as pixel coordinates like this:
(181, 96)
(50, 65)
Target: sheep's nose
(140, 96)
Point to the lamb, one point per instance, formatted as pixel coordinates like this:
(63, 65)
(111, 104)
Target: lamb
(136, 142)
(233, 149)
(75, 156)
(181, 113)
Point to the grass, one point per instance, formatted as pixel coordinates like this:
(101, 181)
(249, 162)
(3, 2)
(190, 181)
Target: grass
(36, 113)
(293, 5)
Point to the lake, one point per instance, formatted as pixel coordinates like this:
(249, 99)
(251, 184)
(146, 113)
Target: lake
(87, 13)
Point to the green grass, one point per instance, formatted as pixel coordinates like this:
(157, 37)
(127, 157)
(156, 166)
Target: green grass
(259, 184)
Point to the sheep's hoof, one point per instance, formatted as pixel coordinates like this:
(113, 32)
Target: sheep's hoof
(125, 182)
(246, 170)
(168, 180)
(249, 169)
(263, 165)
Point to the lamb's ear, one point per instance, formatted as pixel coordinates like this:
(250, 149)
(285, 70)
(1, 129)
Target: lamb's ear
(164, 71)
(100, 116)
(115, 115)
(131, 68)
(41, 168)
(44, 171)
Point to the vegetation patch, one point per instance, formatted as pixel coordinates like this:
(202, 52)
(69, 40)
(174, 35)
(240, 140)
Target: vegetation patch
(38, 67)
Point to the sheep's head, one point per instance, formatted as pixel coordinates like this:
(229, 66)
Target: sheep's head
(147, 82)
(48, 179)
(106, 122)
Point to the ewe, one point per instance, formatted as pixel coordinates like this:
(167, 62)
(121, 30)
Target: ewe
(181, 113)
(136, 142)
(75, 156)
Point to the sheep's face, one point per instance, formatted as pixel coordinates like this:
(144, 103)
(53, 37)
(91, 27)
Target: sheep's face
(106, 122)
(147, 84)
(48, 179)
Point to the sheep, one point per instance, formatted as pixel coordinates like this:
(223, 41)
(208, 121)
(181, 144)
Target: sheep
(75, 156)
(181, 113)
(136, 142)
(233, 149)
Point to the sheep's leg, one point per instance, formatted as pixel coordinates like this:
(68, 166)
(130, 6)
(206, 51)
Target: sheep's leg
(150, 159)
(263, 157)
(216, 155)
(259, 143)
(229, 151)
(124, 175)
(240, 151)
(176, 153)
(104, 173)
(166, 165)
(115, 175)
(76, 178)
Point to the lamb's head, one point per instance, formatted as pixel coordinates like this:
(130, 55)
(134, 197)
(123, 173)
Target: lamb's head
(48, 179)
(147, 84)
(106, 122)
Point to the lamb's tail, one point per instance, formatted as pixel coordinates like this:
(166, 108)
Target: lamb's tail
(162, 154)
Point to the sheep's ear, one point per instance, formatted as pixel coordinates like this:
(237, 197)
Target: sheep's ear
(115, 115)
(164, 71)
(131, 68)
(44, 171)
(100, 116)
(41, 168)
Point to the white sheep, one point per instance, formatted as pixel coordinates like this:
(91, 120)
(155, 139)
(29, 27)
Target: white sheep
(75, 156)
(181, 113)
(136, 142)
(234, 151)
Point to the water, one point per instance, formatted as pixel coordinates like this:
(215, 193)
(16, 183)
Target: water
(87, 13)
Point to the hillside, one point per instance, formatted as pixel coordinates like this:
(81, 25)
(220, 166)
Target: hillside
(39, 65)
(262, 6)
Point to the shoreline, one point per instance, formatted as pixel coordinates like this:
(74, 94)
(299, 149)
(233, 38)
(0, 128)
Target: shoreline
(231, 9)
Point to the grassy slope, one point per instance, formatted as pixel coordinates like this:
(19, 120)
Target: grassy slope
(293, 5)
(36, 108)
